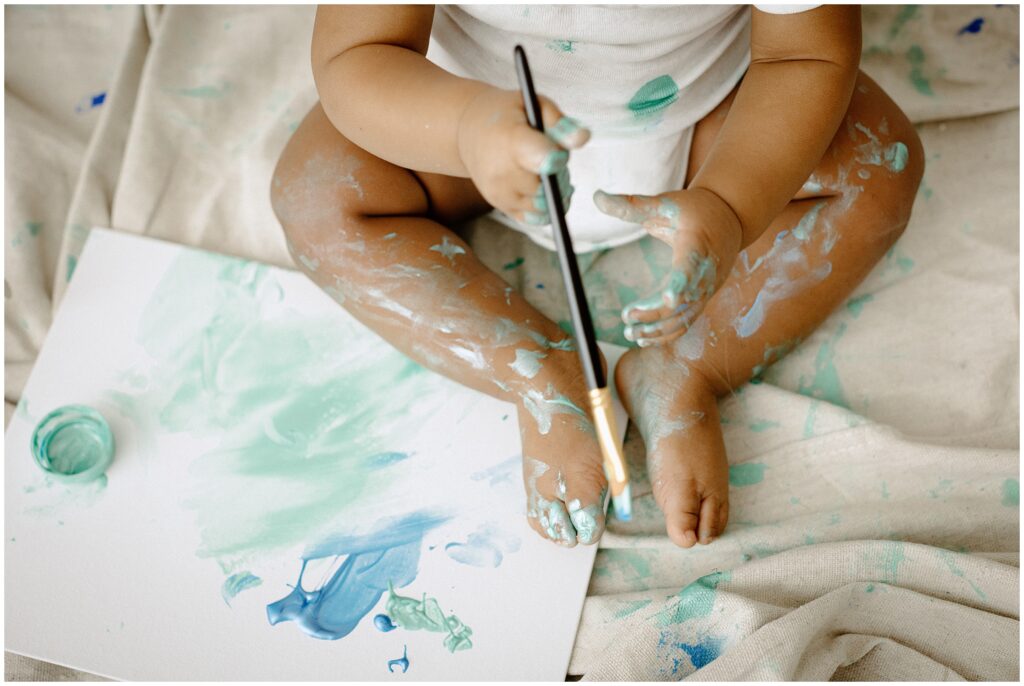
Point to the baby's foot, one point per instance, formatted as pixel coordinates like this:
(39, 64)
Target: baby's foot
(562, 466)
(677, 414)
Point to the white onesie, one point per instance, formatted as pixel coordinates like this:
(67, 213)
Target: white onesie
(639, 77)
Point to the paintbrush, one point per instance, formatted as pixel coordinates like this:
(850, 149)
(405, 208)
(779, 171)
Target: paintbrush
(600, 395)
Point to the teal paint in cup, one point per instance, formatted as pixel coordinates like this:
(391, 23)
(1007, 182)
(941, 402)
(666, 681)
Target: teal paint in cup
(73, 444)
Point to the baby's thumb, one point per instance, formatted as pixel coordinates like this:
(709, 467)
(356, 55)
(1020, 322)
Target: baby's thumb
(636, 209)
(565, 131)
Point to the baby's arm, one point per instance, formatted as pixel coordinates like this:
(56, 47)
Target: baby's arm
(802, 71)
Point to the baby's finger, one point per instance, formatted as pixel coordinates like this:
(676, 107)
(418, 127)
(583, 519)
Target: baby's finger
(648, 310)
(658, 215)
(537, 153)
(644, 334)
(565, 191)
(565, 131)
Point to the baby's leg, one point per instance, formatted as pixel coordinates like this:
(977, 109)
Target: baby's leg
(852, 209)
(371, 234)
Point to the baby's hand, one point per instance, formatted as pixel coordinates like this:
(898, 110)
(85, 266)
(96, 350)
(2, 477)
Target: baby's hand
(705, 236)
(505, 156)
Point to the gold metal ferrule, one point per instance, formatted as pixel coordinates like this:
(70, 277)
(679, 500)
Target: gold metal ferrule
(608, 438)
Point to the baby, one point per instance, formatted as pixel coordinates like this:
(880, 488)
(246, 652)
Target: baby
(746, 139)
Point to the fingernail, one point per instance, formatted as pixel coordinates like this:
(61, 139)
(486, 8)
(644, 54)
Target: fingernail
(564, 129)
(553, 162)
(690, 537)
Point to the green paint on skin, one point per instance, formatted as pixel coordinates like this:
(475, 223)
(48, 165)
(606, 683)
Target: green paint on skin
(527, 363)
(298, 419)
(803, 229)
(586, 520)
(1011, 493)
(310, 263)
(695, 601)
(518, 262)
(764, 425)
(560, 45)
(390, 236)
(448, 249)
(653, 97)
(564, 130)
(746, 474)
(205, 92)
(630, 608)
(553, 162)
(426, 614)
(236, 583)
(544, 407)
(825, 385)
(915, 55)
(856, 305)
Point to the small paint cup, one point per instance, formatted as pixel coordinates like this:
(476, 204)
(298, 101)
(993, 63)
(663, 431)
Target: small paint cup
(73, 444)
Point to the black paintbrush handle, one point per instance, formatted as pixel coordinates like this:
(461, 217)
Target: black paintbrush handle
(584, 326)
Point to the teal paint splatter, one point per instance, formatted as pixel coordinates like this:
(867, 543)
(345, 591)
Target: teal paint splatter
(654, 97)
(890, 560)
(856, 305)
(631, 564)
(72, 264)
(915, 55)
(746, 474)
(33, 228)
(869, 588)
(1011, 493)
(806, 225)
(812, 416)
(947, 557)
(826, 385)
(448, 249)
(896, 156)
(561, 45)
(236, 583)
(694, 601)
(764, 425)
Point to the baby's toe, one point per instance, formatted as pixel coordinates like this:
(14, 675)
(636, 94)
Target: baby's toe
(712, 521)
(680, 502)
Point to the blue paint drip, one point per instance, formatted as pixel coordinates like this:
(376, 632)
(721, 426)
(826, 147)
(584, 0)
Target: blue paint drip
(381, 460)
(389, 554)
(402, 662)
(384, 623)
(973, 27)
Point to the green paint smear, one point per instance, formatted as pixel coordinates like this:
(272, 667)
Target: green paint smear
(34, 228)
(915, 55)
(906, 13)
(746, 474)
(826, 385)
(653, 97)
(947, 558)
(856, 305)
(1011, 493)
(72, 264)
(627, 559)
(890, 560)
(205, 92)
(300, 416)
(764, 425)
(426, 614)
(695, 601)
(631, 607)
(561, 45)
(514, 263)
(236, 583)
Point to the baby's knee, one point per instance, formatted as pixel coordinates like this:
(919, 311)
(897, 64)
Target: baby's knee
(311, 198)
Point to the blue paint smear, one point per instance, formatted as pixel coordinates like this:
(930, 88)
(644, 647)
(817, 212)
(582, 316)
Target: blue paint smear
(98, 99)
(236, 583)
(402, 662)
(91, 102)
(384, 623)
(973, 27)
(381, 460)
(704, 653)
(499, 473)
(390, 554)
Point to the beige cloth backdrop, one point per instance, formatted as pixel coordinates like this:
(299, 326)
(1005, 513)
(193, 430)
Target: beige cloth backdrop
(874, 529)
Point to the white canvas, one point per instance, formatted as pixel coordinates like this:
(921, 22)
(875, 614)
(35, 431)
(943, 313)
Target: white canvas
(126, 578)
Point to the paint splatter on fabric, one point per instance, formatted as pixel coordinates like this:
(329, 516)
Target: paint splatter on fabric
(973, 27)
(653, 97)
(746, 474)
